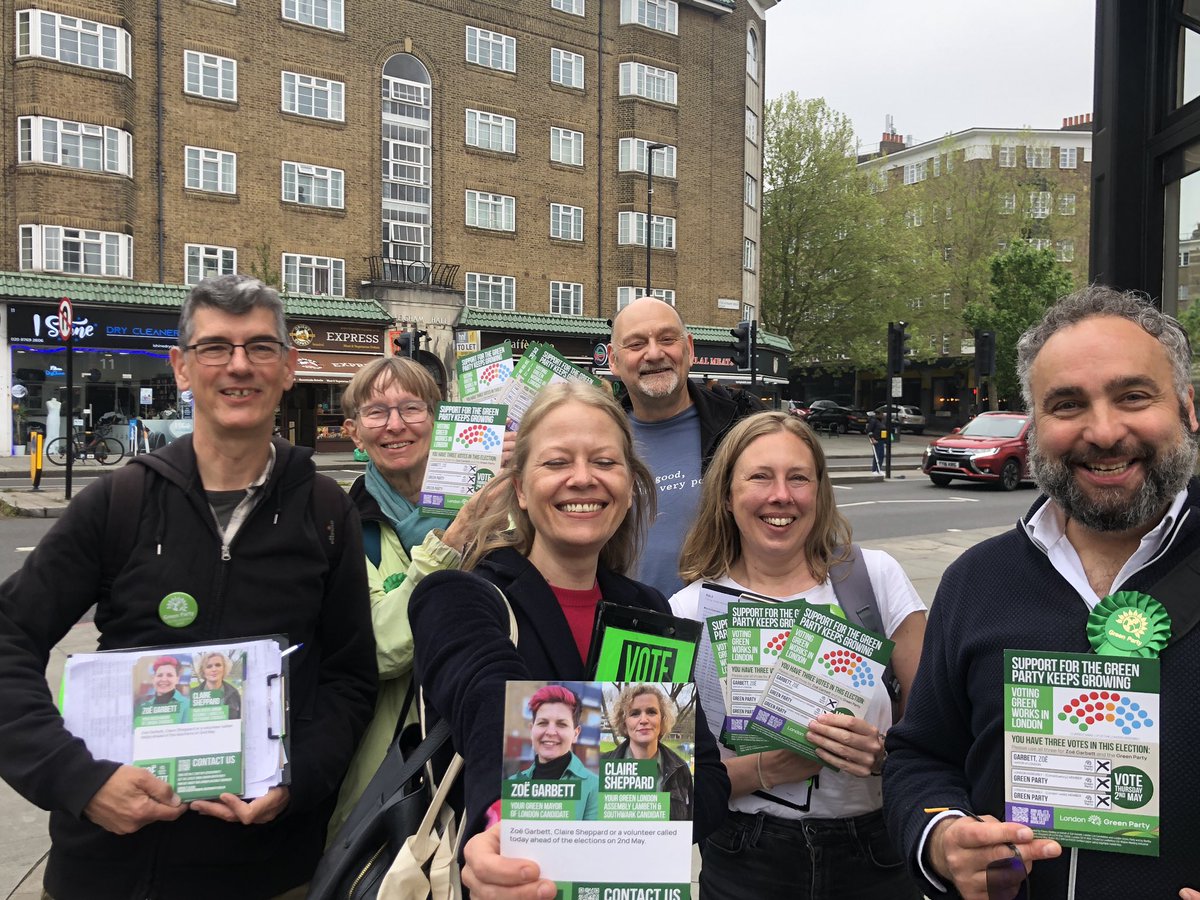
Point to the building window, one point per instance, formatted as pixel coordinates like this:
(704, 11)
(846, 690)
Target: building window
(1040, 243)
(631, 229)
(77, 42)
(946, 300)
(487, 48)
(566, 222)
(574, 7)
(640, 80)
(209, 76)
(491, 291)
(566, 68)
(203, 261)
(914, 172)
(318, 98)
(661, 15)
(566, 298)
(749, 254)
(752, 54)
(210, 170)
(1008, 203)
(1008, 157)
(914, 218)
(632, 158)
(407, 162)
(751, 126)
(1068, 157)
(489, 131)
(312, 185)
(75, 145)
(1065, 250)
(74, 251)
(1037, 157)
(1039, 204)
(626, 295)
(1066, 204)
(917, 303)
(314, 274)
(1185, 259)
(751, 191)
(566, 146)
(318, 13)
(494, 211)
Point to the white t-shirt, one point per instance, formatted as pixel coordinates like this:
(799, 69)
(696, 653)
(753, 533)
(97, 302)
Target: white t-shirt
(836, 795)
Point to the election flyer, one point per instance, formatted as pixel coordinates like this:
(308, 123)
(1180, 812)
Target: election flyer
(464, 455)
(632, 644)
(1081, 749)
(586, 788)
(825, 665)
(755, 637)
(482, 375)
(538, 366)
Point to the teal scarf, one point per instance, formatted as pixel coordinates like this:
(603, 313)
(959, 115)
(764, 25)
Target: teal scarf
(407, 521)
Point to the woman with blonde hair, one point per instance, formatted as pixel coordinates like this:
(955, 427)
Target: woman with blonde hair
(578, 500)
(642, 716)
(768, 524)
(214, 670)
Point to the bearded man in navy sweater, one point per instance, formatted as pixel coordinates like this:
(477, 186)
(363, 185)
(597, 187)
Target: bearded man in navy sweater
(1107, 380)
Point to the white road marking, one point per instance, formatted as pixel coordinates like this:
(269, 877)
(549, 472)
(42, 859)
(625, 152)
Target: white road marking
(23, 549)
(938, 500)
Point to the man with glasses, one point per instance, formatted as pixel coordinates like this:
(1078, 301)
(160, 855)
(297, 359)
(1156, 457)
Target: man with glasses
(677, 425)
(247, 540)
(1107, 380)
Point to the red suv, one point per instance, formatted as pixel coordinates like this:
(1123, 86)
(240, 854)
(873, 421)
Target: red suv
(991, 447)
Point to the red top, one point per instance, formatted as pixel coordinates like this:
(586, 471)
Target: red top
(580, 609)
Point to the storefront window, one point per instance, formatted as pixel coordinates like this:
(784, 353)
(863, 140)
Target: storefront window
(1181, 240)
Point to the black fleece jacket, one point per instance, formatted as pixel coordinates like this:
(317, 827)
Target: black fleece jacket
(278, 578)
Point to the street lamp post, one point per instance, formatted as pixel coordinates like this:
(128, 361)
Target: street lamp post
(650, 151)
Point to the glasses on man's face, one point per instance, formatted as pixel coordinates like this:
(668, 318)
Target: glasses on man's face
(378, 416)
(1008, 879)
(219, 353)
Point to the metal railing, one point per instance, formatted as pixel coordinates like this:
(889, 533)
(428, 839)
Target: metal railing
(401, 272)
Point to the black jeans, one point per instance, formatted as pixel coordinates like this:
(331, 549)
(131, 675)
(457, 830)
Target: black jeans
(765, 857)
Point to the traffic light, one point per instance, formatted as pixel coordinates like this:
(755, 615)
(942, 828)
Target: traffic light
(745, 336)
(985, 354)
(897, 347)
(404, 344)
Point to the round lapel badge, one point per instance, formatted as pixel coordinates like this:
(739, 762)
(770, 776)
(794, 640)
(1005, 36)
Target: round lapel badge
(178, 609)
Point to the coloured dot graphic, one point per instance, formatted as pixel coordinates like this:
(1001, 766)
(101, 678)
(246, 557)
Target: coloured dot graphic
(496, 372)
(478, 434)
(774, 645)
(1093, 708)
(846, 662)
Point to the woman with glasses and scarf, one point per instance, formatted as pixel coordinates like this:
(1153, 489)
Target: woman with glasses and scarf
(389, 408)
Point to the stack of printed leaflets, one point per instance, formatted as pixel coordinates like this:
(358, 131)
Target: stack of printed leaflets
(538, 366)
(483, 376)
(208, 719)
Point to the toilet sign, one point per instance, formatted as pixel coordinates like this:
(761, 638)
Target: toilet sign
(65, 316)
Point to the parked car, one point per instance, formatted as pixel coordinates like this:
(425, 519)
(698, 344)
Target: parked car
(837, 419)
(804, 408)
(905, 418)
(992, 447)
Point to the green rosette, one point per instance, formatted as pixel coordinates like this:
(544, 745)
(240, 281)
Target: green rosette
(1129, 624)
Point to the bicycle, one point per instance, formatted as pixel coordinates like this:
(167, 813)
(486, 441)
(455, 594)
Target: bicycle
(99, 446)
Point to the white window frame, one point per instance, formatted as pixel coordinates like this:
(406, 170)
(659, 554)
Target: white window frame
(571, 7)
(750, 191)
(752, 126)
(491, 49)
(74, 41)
(314, 272)
(221, 69)
(1068, 157)
(659, 15)
(649, 83)
(1065, 250)
(63, 142)
(1008, 203)
(749, 255)
(1039, 243)
(1185, 259)
(491, 131)
(495, 212)
(47, 248)
(566, 222)
(752, 54)
(204, 166)
(915, 172)
(1037, 157)
(566, 146)
(626, 295)
(500, 291)
(297, 91)
(566, 298)
(631, 157)
(303, 183)
(1066, 204)
(202, 260)
(1007, 157)
(326, 14)
(631, 231)
(1039, 204)
(566, 68)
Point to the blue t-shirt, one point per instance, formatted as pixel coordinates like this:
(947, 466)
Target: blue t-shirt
(671, 449)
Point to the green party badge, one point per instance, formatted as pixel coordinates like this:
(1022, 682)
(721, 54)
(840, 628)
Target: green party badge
(178, 609)
(1129, 623)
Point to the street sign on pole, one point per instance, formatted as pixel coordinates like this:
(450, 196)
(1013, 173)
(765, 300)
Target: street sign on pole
(897, 387)
(66, 317)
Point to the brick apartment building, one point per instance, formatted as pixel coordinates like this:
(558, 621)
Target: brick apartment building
(452, 165)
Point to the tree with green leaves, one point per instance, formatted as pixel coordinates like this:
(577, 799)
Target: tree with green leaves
(831, 253)
(1024, 282)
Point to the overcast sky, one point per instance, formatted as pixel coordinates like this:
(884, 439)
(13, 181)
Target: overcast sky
(937, 66)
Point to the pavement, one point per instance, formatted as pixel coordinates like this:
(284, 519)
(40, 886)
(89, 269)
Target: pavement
(23, 835)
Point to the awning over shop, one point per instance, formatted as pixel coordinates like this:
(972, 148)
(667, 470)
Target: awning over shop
(317, 366)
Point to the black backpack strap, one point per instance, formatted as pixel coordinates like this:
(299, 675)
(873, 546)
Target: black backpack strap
(328, 512)
(126, 489)
(856, 596)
